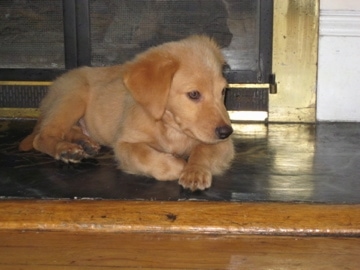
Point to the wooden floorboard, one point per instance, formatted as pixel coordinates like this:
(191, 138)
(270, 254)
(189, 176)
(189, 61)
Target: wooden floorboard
(69, 250)
(181, 217)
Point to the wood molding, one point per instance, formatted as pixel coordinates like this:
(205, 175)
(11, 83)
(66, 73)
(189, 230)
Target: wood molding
(341, 23)
(180, 217)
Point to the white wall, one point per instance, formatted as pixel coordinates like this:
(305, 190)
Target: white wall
(338, 91)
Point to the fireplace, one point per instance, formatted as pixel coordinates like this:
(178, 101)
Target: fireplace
(42, 39)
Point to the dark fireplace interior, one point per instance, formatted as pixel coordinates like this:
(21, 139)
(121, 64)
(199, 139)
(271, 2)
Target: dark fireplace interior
(33, 31)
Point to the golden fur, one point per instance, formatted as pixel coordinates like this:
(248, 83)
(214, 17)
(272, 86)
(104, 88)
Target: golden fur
(162, 113)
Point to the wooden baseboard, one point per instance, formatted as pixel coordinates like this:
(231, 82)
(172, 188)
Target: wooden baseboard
(181, 217)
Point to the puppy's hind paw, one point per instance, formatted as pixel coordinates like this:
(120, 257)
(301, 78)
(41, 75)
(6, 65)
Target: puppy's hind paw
(195, 178)
(90, 148)
(69, 153)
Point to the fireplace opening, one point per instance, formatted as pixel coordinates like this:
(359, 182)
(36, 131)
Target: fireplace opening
(42, 39)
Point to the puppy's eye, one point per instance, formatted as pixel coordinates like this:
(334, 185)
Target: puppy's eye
(194, 95)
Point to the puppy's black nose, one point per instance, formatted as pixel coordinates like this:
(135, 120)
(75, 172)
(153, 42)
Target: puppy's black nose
(223, 132)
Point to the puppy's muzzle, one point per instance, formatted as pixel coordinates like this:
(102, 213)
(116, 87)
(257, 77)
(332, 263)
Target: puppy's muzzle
(223, 132)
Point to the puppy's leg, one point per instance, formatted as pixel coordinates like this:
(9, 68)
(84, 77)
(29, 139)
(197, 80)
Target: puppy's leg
(205, 161)
(140, 158)
(27, 143)
(57, 132)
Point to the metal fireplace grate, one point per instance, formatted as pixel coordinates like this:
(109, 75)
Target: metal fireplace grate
(39, 40)
(21, 96)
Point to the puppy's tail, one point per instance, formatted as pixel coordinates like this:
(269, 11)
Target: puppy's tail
(27, 143)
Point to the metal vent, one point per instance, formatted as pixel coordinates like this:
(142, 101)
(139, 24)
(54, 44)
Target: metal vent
(21, 96)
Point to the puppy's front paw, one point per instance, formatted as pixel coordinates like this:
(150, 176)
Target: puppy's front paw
(195, 177)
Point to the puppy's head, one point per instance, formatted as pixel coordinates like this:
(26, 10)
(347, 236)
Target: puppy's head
(196, 97)
(182, 83)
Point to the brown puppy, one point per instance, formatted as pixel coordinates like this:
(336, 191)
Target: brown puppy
(162, 113)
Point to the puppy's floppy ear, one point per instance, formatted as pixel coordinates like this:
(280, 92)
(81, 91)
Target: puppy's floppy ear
(149, 78)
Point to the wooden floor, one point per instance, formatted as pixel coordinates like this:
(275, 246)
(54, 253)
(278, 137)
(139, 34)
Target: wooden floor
(53, 234)
(68, 250)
